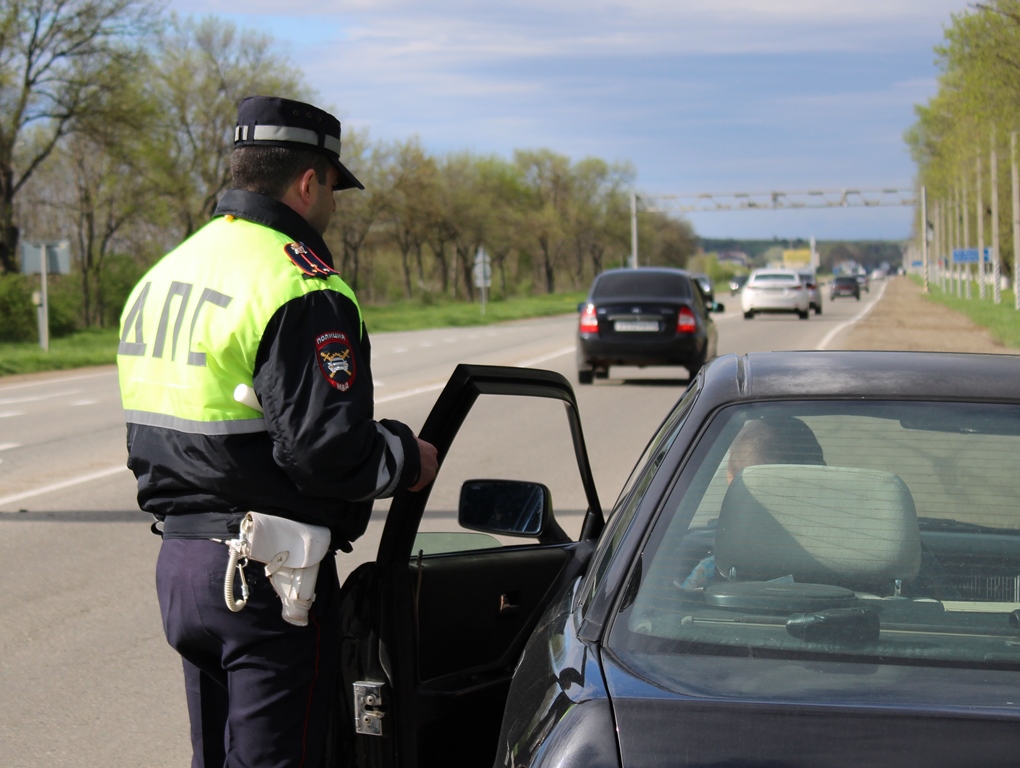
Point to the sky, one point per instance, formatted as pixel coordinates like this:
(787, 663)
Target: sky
(699, 96)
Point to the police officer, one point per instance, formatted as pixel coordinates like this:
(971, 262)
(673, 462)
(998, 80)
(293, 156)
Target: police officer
(253, 299)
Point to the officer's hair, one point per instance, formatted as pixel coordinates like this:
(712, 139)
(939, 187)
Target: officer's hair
(271, 170)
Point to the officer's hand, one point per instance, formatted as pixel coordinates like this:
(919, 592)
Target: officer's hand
(429, 465)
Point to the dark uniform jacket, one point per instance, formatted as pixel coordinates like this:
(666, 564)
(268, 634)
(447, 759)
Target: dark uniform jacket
(323, 458)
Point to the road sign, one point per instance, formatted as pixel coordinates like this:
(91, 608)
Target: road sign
(970, 256)
(482, 270)
(58, 257)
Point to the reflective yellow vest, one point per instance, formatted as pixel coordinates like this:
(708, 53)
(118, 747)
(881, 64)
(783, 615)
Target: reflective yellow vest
(191, 328)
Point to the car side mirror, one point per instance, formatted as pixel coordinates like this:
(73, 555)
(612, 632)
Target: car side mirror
(504, 507)
(717, 307)
(581, 306)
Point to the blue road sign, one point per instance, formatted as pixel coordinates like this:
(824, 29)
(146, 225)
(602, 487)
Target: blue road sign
(970, 256)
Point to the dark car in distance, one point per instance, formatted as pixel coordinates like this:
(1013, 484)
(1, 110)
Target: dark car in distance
(649, 316)
(845, 285)
(815, 562)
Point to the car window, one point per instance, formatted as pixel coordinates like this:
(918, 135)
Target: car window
(699, 303)
(774, 277)
(864, 531)
(636, 282)
(492, 436)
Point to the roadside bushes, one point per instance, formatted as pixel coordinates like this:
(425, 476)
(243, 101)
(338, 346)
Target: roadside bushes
(17, 313)
(19, 318)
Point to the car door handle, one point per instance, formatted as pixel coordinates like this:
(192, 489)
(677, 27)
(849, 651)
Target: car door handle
(505, 606)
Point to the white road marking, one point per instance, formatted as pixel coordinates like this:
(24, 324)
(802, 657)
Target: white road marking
(8, 446)
(60, 380)
(36, 398)
(438, 386)
(824, 343)
(4, 500)
(6, 414)
(410, 392)
(545, 358)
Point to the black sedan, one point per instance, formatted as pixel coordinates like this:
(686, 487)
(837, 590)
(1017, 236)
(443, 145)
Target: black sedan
(845, 285)
(815, 562)
(645, 317)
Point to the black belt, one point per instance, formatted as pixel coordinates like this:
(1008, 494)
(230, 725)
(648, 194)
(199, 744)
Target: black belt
(217, 525)
(202, 525)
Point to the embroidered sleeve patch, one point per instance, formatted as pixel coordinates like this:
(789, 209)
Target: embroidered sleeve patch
(335, 359)
(306, 260)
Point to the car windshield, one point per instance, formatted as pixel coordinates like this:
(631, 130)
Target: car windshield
(845, 280)
(639, 283)
(885, 532)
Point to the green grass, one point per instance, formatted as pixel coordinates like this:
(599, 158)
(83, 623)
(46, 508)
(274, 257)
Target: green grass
(1001, 320)
(85, 348)
(415, 315)
(99, 347)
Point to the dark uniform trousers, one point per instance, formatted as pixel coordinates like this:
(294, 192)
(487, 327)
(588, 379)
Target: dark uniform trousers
(259, 689)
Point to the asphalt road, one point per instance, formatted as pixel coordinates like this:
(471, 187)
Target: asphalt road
(86, 675)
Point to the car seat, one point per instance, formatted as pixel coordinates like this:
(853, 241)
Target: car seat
(842, 526)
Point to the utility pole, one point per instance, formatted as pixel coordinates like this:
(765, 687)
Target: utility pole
(633, 230)
(924, 235)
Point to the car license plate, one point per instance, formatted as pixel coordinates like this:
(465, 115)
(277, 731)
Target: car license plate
(641, 326)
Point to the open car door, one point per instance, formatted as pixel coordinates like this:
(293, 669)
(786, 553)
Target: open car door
(434, 627)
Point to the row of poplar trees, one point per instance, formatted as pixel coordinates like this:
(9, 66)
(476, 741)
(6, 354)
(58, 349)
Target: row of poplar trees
(966, 134)
(116, 123)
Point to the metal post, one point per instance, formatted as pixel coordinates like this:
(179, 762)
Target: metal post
(924, 235)
(996, 268)
(633, 230)
(980, 233)
(44, 309)
(1016, 221)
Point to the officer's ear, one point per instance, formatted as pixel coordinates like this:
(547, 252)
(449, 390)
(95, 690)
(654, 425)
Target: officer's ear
(302, 192)
(308, 186)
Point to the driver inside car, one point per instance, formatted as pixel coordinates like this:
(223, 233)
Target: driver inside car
(776, 440)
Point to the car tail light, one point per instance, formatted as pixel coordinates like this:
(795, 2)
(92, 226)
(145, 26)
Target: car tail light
(589, 323)
(685, 322)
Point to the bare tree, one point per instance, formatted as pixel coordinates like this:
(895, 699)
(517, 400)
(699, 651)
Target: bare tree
(59, 62)
(548, 179)
(204, 69)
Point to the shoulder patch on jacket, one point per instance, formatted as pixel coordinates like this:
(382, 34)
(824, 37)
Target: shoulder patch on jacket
(306, 260)
(335, 359)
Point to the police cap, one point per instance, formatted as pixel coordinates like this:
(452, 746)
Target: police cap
(268, 121)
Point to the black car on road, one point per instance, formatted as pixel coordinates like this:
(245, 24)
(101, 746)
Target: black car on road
(845, 285)
(815, 562)
(647, 316)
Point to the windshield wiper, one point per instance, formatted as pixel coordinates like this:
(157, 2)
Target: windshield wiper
(949, 525)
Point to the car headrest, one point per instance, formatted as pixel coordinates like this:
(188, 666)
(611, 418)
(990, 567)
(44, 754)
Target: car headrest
(850, 527)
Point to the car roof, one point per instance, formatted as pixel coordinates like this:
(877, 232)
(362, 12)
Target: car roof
(661, 270)
(775, 271)
(865, 374)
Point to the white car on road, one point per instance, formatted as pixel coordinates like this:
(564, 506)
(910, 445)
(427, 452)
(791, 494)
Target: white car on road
(775, 290)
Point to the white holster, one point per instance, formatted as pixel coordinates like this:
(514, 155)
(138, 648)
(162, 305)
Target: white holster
(291, 551)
